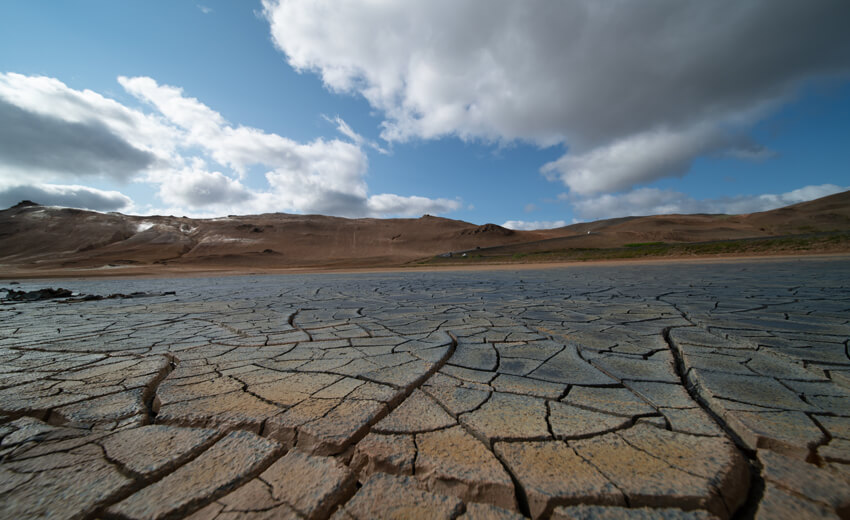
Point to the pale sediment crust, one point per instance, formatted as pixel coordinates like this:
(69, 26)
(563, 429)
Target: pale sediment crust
(661, 390)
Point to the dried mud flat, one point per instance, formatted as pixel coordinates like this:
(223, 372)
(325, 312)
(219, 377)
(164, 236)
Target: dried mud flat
(645, 391)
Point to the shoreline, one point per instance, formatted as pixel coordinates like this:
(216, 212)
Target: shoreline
(159, 272)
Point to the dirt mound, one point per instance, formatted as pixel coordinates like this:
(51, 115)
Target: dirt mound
(491, 229)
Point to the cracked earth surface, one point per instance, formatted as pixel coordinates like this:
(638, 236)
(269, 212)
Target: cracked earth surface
(680, 392)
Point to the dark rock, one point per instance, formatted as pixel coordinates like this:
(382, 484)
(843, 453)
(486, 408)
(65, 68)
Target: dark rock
(37, 295)
(492, 229)
(115, 296)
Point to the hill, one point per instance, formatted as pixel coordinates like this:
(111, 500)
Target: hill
(44, 239)
(49, 238)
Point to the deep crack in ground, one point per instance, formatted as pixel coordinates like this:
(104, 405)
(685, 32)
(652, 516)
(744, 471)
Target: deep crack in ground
(567, 393)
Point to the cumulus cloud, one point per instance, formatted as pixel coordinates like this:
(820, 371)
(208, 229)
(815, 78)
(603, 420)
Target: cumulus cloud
(646, 157)
(600, 78)
(532, 225)
(387, 203)
(50, 130)
(35, 142)
(196, 158)
(346, 130)
(653, 201)
(322, 176)
(199, 188)
(640, 158)
(323, 163)
(65, 195)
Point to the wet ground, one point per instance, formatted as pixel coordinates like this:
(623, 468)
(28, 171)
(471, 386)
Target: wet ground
(691, 391)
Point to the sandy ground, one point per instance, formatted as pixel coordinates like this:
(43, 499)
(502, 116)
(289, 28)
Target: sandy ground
(157, 271)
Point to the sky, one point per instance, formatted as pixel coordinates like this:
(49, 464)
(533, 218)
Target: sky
(532, 114)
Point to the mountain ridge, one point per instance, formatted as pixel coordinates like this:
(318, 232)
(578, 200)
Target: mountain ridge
(39, 238)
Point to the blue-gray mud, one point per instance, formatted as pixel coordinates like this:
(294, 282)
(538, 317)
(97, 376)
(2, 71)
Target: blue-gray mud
(643, 391)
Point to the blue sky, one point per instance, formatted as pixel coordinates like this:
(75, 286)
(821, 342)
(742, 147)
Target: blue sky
(528, 114)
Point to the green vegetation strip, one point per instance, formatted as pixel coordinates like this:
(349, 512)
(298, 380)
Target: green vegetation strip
(646, 244)
(833, 242)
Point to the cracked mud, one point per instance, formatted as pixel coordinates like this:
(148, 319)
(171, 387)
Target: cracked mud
(681, 392)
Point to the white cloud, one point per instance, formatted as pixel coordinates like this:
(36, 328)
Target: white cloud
(346, 130)
(803, 194)
(653, 201)
(646, 157)
(634, 160)
(532, 225)
(201, 189)
(63, 133)
(204, 9)
(65, 195)
(42, 145)
(684, 78)
(52, 131)
(387, 203)
(187, 113)
(317, 177)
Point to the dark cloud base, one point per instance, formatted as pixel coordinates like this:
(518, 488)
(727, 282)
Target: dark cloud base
(68, 196)
(30, 140)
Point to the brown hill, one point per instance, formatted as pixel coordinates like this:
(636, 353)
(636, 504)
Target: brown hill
(42, 239)
(826, 214)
